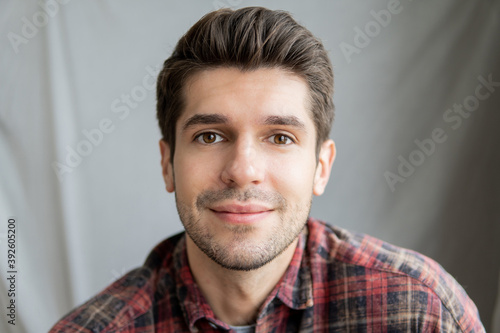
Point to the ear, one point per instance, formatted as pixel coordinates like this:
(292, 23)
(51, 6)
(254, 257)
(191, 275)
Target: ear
(325, 162)
(166, 166)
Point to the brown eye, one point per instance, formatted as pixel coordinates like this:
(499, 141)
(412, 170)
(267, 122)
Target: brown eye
(208, 138)
(281, 139)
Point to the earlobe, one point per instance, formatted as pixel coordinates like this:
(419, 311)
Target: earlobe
(166, 166)
(324, 167)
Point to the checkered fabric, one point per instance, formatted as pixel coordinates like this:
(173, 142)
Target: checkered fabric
(337, 281)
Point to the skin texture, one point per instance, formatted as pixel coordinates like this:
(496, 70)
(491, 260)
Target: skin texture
(243, 174)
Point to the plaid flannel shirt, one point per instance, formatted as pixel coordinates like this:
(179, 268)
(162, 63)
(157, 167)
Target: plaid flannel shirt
(337, 281)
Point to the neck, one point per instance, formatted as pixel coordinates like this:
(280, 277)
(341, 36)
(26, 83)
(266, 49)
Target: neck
(236, 296)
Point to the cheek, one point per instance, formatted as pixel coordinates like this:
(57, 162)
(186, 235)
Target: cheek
(193, 175)
(293, 176)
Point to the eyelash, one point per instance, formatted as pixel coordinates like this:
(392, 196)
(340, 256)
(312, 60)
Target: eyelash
(199, 138)
(287, 138)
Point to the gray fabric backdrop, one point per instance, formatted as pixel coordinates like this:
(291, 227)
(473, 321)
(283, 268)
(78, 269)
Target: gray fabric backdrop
(417, 133)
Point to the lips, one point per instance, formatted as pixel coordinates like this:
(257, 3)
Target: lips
(241, 214)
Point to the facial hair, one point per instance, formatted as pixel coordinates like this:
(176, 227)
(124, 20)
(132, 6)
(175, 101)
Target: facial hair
(239, 253)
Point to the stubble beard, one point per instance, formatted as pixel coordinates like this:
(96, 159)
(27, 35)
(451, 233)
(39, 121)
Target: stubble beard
(240, 253)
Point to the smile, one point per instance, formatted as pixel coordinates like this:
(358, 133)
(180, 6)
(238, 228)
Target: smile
(241, 214)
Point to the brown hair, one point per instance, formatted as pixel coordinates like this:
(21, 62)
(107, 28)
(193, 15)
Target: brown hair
(248, 39)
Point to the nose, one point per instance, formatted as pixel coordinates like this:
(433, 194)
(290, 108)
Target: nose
(244, 165)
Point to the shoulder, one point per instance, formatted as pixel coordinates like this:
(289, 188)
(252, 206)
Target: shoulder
(123, 301)
(129, 301)
(397, 279)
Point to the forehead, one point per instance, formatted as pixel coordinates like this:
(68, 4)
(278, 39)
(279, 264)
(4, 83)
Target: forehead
(247, 95)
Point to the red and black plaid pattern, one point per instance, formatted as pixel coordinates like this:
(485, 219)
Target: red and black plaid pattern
(337, 281)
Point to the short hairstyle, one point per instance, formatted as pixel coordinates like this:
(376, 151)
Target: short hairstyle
(248, 39)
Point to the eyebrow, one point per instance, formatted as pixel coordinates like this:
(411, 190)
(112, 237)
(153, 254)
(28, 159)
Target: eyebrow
(205, 119)
(213, 118)
(286, 121)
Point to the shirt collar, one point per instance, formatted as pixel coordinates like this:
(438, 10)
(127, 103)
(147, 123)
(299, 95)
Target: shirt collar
(192, 302)
(295, 288)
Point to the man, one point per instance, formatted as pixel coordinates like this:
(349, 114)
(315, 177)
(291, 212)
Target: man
(245, 109)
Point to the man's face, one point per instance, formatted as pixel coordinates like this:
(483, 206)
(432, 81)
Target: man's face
(245, 167)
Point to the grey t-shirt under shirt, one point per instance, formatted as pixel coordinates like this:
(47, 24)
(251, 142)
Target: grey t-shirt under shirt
(244, 329)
